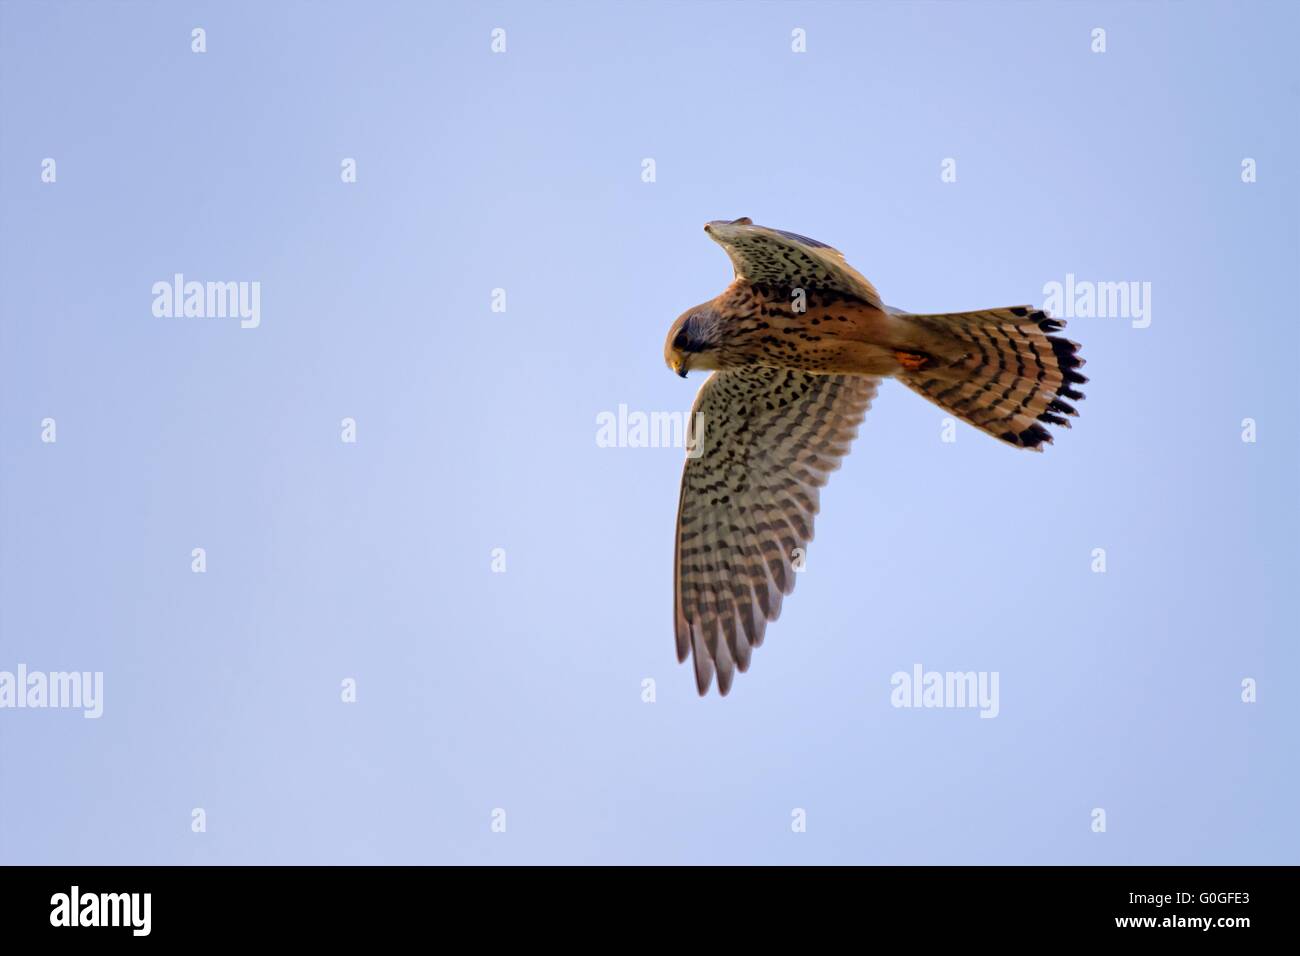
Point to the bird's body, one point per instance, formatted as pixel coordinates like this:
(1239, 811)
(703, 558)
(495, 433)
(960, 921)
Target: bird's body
(799, 342)
(823, 331)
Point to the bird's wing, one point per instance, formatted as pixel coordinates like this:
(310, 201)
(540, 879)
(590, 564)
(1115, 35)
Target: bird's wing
(765, 442)
(774, 257)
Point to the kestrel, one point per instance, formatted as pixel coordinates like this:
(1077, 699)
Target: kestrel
(799, 342)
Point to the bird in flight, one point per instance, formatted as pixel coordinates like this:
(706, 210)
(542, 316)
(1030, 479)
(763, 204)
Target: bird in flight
(798, 343)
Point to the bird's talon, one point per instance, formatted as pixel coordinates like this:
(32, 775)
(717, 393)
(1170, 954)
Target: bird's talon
(913, 361)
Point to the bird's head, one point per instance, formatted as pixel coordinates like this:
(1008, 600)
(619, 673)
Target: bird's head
(693, 340)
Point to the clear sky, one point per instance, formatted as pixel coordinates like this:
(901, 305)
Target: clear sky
(372, 561)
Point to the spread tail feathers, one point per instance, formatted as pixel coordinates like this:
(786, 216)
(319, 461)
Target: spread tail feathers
(1015, 378)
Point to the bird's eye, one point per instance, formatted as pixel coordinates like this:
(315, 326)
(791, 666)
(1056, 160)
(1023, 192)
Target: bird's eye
(682, 341)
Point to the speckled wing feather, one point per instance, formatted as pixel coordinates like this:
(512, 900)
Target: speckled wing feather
(774, 257)
(767, 440)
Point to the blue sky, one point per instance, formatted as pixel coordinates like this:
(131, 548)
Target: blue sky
(476, 430)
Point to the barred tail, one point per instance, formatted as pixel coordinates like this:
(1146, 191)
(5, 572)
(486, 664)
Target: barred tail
(1015, 377)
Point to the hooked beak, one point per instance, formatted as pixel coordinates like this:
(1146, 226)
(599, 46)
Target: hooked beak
(681, 366)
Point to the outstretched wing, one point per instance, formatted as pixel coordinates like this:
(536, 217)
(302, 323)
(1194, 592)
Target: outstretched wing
(765, 442)
(773, 257)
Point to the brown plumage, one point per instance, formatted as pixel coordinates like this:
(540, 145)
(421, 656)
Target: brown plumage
(799, 341)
